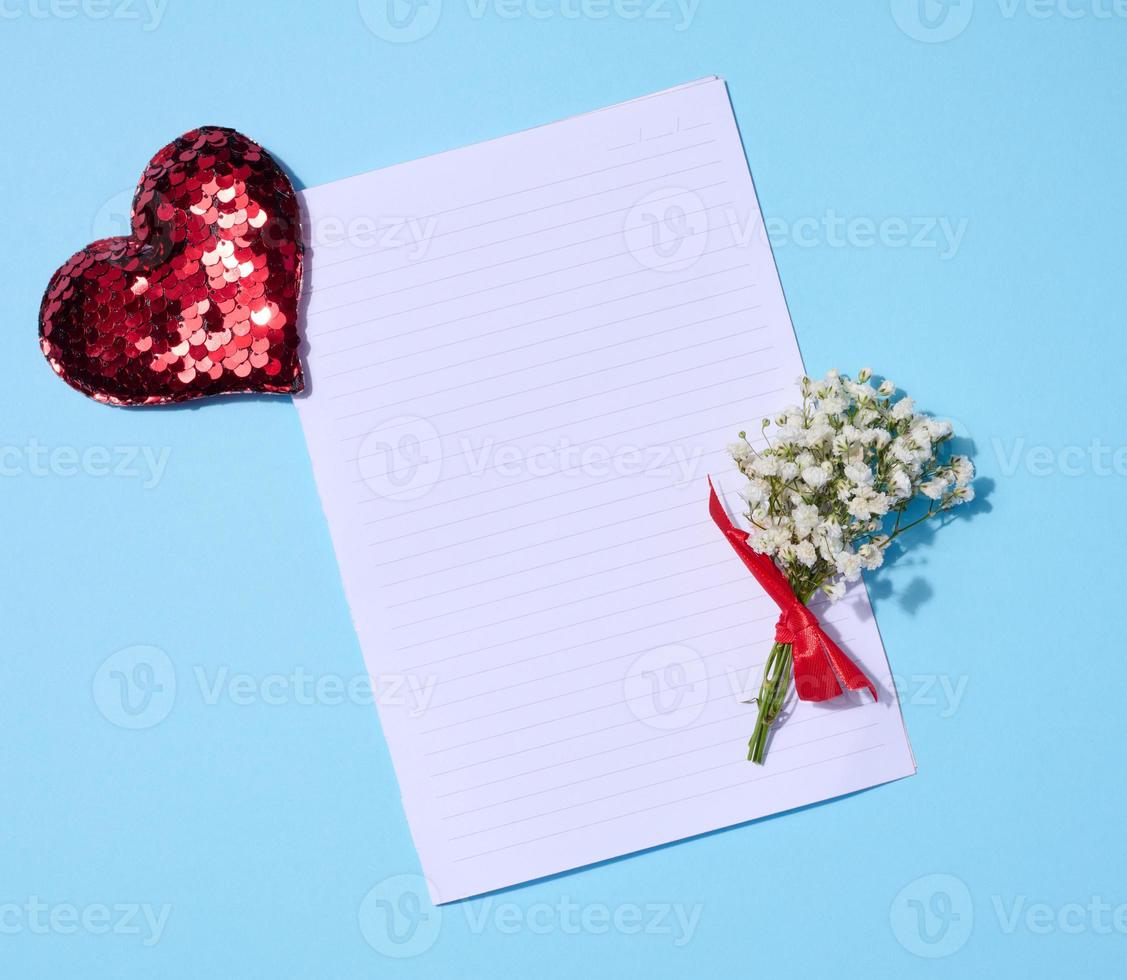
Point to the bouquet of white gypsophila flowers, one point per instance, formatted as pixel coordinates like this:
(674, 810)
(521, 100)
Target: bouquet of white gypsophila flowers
(840, 477)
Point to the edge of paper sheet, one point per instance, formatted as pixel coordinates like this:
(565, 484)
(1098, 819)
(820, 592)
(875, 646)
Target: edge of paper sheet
(528, 129)
(798, 342)
(436, 898)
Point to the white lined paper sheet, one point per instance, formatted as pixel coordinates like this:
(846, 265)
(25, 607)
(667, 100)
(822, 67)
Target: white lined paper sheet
(526, 355)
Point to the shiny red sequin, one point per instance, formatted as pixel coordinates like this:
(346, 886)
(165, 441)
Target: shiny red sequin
(202, 298)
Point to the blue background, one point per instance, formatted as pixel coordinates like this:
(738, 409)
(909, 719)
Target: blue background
(264, 826)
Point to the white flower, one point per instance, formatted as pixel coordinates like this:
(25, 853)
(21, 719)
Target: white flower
(835, 590)
(819, 432)
(832, 403)
(939, 428)
(740, 451)
(963, 469)
(756, 492)
(859, 473)
(849, 565)
(816, 476)
(805, 518)
(899, 483)
(805, 553)
(934, 488)
(879, 438)
(860, 392)
(902, 450)
(903, 409)
(871, 556)
(865, 504)
(765, 465)
(820, 492)
(960, 495)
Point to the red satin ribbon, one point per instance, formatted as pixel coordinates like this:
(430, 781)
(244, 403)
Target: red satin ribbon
(820, 665)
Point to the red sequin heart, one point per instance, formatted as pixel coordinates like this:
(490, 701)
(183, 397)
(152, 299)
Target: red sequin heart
(202, 298)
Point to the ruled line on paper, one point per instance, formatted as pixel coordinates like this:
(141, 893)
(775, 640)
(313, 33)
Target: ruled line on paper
(654, 737)
(727, 764)
(570, 290)
(683, 799)
(562, 180)
(588, 374)
(777, 749)
(734, 604)
(356, 323)
(558, 629)
(483, 335)
(572, 422)
(581, 377)
(587, 353)
(616, 233)
(483, 695)
(546, 229)
(429, 597)
(615, 703)
(512, 551)
(315, 310)
(480, 335)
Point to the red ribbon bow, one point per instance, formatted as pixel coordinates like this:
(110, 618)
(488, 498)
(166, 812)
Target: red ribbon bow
(820, 665)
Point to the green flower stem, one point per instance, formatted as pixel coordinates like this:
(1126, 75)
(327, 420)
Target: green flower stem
(772, 696)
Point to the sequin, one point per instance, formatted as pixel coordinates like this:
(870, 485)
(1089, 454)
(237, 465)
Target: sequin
(201, 299)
